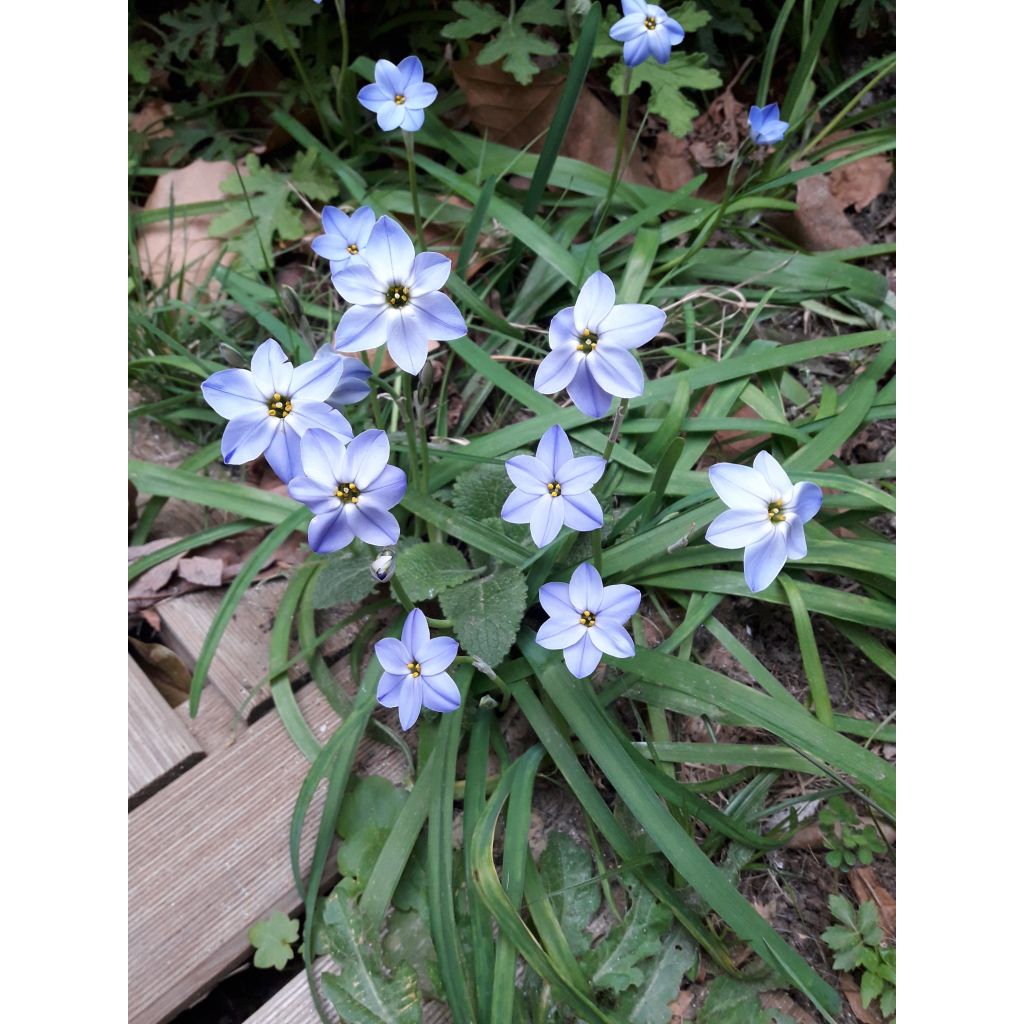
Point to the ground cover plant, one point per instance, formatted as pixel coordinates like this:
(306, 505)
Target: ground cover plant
(605, 477)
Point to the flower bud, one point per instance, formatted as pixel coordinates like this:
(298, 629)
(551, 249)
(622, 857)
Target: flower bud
(382, 568)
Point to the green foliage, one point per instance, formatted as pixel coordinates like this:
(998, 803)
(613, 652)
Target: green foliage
(567, 873)
(683, 71)
(140, 60)
(273, 940)
(869, 13)
(364, 992)
(847, 841)
(345, 578)
(615, 963)
(367, 816)
(425, 570)
(268, 207)
(648, 1002)
(256, 22)
(486, 614)
(513, 42)
(858, 941)
(480, 492)
(732, 1001)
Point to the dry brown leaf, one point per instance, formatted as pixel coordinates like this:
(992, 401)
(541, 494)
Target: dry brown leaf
(680, 1006)
(850, 989)
(183, 247)
(165, 669)
(859, 183)
(819, 223)
(139, 550)
(152, 581)
(518, 115)
(670, 163)
(718, 132)
(207, 572)
(784, 1002)
(867, 887)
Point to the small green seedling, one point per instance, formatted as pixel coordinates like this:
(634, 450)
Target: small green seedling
(858, 941)
(273, 940)
(848, 842)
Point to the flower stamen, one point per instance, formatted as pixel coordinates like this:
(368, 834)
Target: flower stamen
(353, 249)
(555, 489)
(279, 406)
(588, 619)
(414, 668)
(347, 492)
(587, 342)
(397, 295)
(399, 99)
(775, 513)
(650, 23)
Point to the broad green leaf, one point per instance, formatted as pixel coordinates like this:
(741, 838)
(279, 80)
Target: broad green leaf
(344, 578)
(614, 963)
(367, 816)
(731, 1001)
(475, 19)
(424, 570)
(486, 614)
(567, 874)
(273, 940)
(683, 71)
(649, 1004)
(257, 21)
(363, 993)
(481, 491)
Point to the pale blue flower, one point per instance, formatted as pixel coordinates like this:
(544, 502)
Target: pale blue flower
(766, 516)
(399, 95)
(587, 619)
(345, 237)
(395, 299)
(349, 489)
(553, 488)
(270, 407)
(765, 127)
(414, 671)
(590, 345)
(352, 386)
(646, 31)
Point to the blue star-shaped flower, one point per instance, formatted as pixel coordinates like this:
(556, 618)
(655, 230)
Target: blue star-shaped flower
(399, 95)
(765, 127)
(646, 31)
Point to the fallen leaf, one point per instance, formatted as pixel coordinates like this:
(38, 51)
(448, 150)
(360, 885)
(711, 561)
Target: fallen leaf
(670, 163)
(718, 132)
(819, 224)
(867, 887)
(851, 990)
(518, 115)
(680, 1006)
(139, 550)
(182, 249)
(784, 1002)
(152, 581)
(165, 669)
(207, 572)
(859, 183)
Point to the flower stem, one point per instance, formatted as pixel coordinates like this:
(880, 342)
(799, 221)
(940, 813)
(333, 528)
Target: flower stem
(595, 549)
(613, 434)
(341, 93)
(400, 593)
(620, 148)
(439, 623)
(410, 150)
(301, 69)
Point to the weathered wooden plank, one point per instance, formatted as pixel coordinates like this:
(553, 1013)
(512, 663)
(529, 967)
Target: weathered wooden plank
(240, 666)
(159, 746)
(217, 726)
(208, 857)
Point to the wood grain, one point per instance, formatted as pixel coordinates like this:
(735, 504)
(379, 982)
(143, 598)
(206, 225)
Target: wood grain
(208, 857)
(159, 745)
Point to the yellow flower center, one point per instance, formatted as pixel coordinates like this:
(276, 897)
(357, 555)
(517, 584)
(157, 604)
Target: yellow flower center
(399, 99)
(279, 406)
(397, 296)
(353, 249)
(347, 492)
(588, 619)
(775, 513)
(650, 23)
(555, 489)
(414, 669)
(587, 342)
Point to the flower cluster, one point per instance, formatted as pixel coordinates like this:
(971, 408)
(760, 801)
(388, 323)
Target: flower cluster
(291, 414)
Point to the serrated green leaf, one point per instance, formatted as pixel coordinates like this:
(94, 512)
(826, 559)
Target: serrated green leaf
(344, 579)
(690, 16)
(408, 941)
(425, 570)
(515, 44)
(838, 937)
(363, 993)
(682, 71)
(664, 977)
(540, 12)
(887, 1004)
(367, 816)
(486, 614)
(475, 19)
(614, 963)
(268, 210)
(848, 959)
(481, 491)
(842, 910)
(730, 1001)
(273, 940)
(139, 56)
(254, 20)
(567, 873)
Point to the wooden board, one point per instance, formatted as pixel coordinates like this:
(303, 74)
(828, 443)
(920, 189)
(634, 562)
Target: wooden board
(208, 857)
(159, 745)
(217, 726)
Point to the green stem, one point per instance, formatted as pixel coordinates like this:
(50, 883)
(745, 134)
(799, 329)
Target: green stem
(440, 624)
(620, 146)
(410, 149)
(401, 594)
(595, 549)
(613, 434)
(301, 69)
(341, 93)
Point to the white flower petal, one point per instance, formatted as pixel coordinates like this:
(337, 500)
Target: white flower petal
(596, 298)
(763, 561)
(741, 486)
(738, 527)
